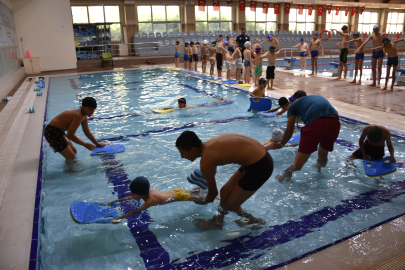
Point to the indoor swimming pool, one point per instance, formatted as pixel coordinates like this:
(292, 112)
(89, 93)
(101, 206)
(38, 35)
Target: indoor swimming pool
(306, 215)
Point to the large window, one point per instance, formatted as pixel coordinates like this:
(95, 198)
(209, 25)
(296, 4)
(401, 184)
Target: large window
(395, 22)
(366, 21)
(99, 14)
(302, 22)
(334, 21)
(153, 19)
(258, 21)
(211, 20)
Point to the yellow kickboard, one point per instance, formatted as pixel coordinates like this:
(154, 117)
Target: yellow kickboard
(174, 69)
(162, 110)
(244, 85)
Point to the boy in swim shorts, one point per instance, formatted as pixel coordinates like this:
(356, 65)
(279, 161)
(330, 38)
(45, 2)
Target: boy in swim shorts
(70, 121)
(343, 51)
(190, 55)
(177, 53)
(140, 189)
(237, 55)
(358, 60)
(204, 58)
(259, 92)
(313, 46)
(303, 53)
(228, 57)
(211, 50)
(271, 68)
(373, 148)
(186, 48)
(194, 47)
(391, 49)
(248, 63)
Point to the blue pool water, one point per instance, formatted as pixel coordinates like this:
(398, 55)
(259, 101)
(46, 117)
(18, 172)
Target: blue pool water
(311, 212)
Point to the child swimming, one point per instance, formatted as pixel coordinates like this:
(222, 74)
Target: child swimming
(276, 136)
(259, 92)
(140, 189)
(283, 103)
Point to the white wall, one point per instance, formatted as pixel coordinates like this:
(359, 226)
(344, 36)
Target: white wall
(38, 23)
(7, 3)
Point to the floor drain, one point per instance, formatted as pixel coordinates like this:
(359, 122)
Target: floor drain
(398, 263)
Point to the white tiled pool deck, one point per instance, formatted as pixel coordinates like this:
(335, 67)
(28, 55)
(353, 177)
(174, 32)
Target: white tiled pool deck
(20, 144)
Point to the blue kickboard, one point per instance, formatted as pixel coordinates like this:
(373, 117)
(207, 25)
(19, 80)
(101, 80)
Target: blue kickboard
(270, 114)
(334, 64)
(92, 212)
(295, 138)
(379, 167)
(260, 104)
(108, 150)
(213, 78)
(198, 179)
(230, 82)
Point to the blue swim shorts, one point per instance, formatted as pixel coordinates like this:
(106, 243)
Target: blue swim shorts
(303, 54)
(186, 57)
(247, 63)
(359, 56)
(177, 55)
(392, 61)
(378, 54)
(314, 53)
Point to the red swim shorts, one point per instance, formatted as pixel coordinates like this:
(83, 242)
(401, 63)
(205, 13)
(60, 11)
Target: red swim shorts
(323, 131)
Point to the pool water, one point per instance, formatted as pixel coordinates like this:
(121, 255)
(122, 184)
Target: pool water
(304, 215)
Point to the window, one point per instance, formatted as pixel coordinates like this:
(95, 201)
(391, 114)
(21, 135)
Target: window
(211, 20)
(366, 21)
(334, 21)
(99, 14)
(258, 21)
(302, 22)
(158, 19)
(395, 22)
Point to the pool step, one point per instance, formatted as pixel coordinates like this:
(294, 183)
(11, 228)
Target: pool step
(397, 263)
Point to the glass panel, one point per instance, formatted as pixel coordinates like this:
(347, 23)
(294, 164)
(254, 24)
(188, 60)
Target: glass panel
(226, 13)
(309, 18)
(213, 15)
(200, 15)
(173, 27)
(271, 16)
(260, 27)
(250, 15)
(374, 17)
(293, 15)
(308, 27)
(329, 17)
(359, 28)
(159, 27)
(201, 26)
(116, 31)
(173, 13)
(250, 26)
(112, 14)
(367, 17)
(144, 14)
(336, 19)
(394, 18)
(271, 26)
(79, 15)
(328, 25)
(388, 28)
(159, 13)
(226, 26)
(260, 16)
(96, 14)
(401, 18)
(301, 18)
(293, 26)
(145, 28)
(213, 26)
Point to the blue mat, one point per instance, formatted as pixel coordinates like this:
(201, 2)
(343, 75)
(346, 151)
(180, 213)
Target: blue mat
(379, 167)
(260, 104)
(295, 138)
(198, 179)
(92, 212)
(108, 150)
(229, 82)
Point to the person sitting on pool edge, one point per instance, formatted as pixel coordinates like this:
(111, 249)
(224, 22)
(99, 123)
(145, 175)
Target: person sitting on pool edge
(283, 103)
(140, 189)
(373, 147)
(69, 121)
(259, 92)
(183, 104)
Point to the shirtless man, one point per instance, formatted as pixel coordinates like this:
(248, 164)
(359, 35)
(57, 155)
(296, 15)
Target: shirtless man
(177, 53)
(358, 60)
(271, 68)
(237, 56)
(211, 50)
(194, 47)
(273, 40)
(259, 92)
(70, 121)
(303, 53)
(256, 167)
(391, 49)
(376, 38)
(248, 61)
(313, 46)
(204, 57)
(228, 58)
(343, 51)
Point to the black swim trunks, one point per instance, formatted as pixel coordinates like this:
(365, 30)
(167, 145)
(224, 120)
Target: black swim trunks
(219, 61)
(343, 55)
(190, 58)
(270, 72)
(56, 138)
(375, 152)
(256, 174)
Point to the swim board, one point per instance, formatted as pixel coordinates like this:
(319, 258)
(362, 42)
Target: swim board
(379, 167)
(92, 212)
(244, 85)
(229, 82)
(295, 138)
(214, 79)
(260, 104)
(162, 110)
(198, 179)
(108, 150)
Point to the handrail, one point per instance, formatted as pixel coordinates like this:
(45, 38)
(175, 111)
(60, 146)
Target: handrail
(291, 49)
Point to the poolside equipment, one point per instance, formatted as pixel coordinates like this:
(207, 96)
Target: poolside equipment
(162, 110)
(325, 31)
(401, 71)
(198, 179)
(37, 89)
(163, 68)
(105, 57)
(244, 84)
(289, 62)
(39, 93)
(213, 79)
(230, 82)
(379, 167)
(334, 66)
(7, 98)
(295, 138)
(31, 109)
(92, 212)
(108, 150)
(259, 104)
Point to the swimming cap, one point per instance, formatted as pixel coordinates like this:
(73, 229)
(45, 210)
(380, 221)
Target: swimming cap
(291, 99)
(315, 33)
(205, 41)
(277, 134)
(258, 49)
(89, 102)
(226, 42)
(247, 44)
(283, 101)
(213, 44)
(198, 43)
(228, 36)
(302, 39)
(256, 39)
(269, 36)
(272, 48)
(262, 81)
(386, 41)
(376, 26)
(140, 186)
(182, 100)
(375, 134)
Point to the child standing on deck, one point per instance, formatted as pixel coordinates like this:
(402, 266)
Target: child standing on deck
(204, 51)
(343, 51)
(228, 58)
(211, 50)
(194, 48)
(190, 55)
(313, 46)
(258, 65)
(185, 53)
(237, 55)
(358, 60)
(271, 68)
(177, 53)
(303, 53)
(248, 63)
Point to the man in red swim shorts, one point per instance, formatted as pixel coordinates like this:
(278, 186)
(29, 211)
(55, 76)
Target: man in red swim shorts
(322, 128)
